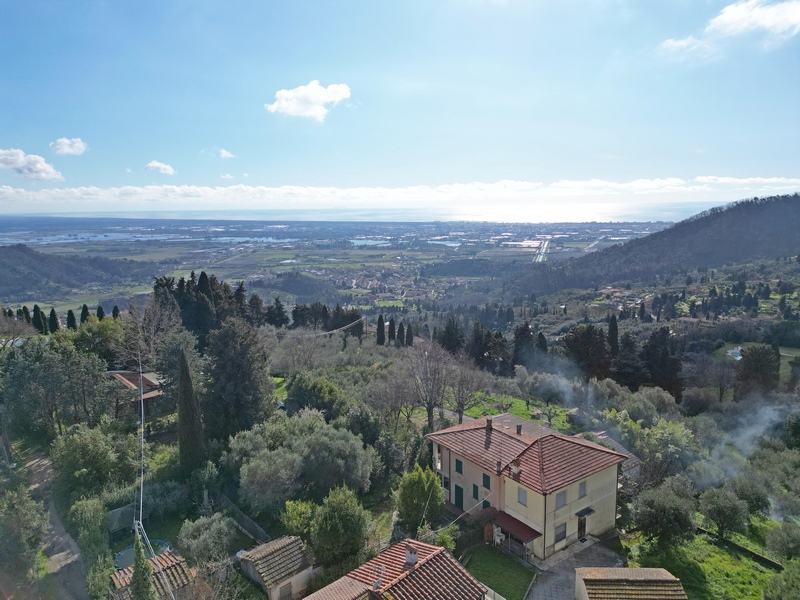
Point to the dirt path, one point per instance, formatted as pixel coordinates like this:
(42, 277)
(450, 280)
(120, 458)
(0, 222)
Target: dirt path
(64, 560)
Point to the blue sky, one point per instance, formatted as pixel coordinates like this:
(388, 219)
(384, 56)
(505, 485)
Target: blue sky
(471, 109)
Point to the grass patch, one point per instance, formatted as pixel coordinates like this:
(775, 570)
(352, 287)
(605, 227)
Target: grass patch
(707, 571)
(280, 392)
(500, 572)
(495, 405)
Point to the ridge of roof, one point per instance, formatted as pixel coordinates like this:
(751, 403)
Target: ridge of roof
(416, 567)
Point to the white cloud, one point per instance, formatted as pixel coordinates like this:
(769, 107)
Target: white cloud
(667, 198)
(160, 167)
(69, 146)
(227, 176)
(782, 181)
(225, 154)
(30, 166)
(686, 47)
(310, 100)
(778, 19)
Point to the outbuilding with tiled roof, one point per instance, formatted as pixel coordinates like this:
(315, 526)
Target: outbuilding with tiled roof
(170, 570)
(596, 583)
(281, 567)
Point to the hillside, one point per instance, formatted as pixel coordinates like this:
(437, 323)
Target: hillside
(746, 230)
(27, 274)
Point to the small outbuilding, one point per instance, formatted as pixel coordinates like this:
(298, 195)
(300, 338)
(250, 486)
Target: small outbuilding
(599, 583)
(281, 567)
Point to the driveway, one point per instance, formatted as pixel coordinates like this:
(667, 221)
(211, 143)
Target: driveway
(558, 582)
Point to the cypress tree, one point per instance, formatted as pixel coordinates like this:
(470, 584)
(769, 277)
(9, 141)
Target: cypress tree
(401, 335)
(71, 322)
(613, 335)
(142, 581)
(391, 329)
(191, 444)
(115, 312)
(39, 321)
(100, 313)
(381, 335)
(409, 336)
(84, 314)
(53, 322)
(541, 343)
(204, 286)
(27, 314)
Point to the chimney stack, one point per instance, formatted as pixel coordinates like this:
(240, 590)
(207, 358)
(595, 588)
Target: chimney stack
(519, 428)
(488, 424)
(411, 555)
(499, 467)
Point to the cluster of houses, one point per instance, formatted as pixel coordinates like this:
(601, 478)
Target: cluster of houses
(536, 491)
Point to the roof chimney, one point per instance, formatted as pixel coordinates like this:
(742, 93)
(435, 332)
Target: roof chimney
(519, 428)
(499, 467)
(516, 466)
(411, 555)
(488, 424)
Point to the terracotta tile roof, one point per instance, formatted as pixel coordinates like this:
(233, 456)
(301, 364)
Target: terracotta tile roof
(630, 584)
(436, 575)
(279, 560)
(173, 566)
(548, 461)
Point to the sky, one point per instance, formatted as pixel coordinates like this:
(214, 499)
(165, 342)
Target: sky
(491, 110)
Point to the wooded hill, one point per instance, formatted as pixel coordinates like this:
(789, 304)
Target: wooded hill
(739, 232)
(27, 274)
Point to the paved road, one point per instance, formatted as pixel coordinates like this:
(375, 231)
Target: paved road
(559, 582)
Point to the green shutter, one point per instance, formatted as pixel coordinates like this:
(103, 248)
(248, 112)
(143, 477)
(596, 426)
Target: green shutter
(475, 491)
(487, 482)
(459, 466)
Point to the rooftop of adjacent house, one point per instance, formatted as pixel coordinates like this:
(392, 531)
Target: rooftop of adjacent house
(617, 583)
(631, 462)
(148, 381)
(544, 460)
(171, 564)
(279, 560)
(409, 570)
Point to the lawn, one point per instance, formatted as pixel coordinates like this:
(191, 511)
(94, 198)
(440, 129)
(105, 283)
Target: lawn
(707, 571)
(517, 407)
(503, 574)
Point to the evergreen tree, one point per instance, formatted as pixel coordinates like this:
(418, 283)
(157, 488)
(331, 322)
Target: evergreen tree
(613, 335)
(391, 330)
(53, 323)
(401, 335)
(451, 337)
(142, 581)
(35, 320)
(84, 314)
(191, 443)
(541, 343)
(204, 286)
(240, 301)
(100, 313)
(241, 387)
(409, 336)
(115, 312)
(276, 314)
(524, 344)
(27, 314)
(381, 333)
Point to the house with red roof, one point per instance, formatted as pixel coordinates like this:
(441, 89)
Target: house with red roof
(546, 490)
(410, 570)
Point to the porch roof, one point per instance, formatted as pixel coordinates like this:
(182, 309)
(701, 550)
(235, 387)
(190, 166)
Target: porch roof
(515, 527)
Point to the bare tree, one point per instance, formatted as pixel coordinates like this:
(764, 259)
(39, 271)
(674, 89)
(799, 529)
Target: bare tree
(12, 330)
(299, 350)
(427, 371)
(467, 380)
(721, 374)
(146, 330)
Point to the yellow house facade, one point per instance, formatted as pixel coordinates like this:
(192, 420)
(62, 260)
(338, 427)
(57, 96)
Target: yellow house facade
(546, 490)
